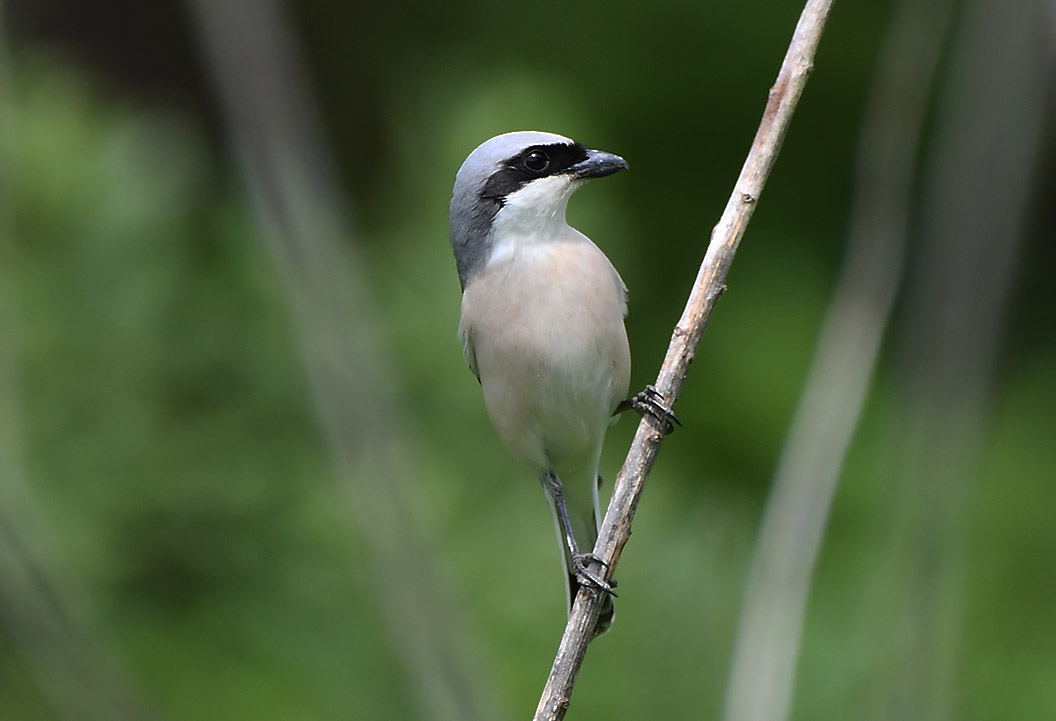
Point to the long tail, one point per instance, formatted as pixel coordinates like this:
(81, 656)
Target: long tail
(608, 608)
(583, 515)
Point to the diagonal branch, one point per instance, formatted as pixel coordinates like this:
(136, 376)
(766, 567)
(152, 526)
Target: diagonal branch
(709, 285)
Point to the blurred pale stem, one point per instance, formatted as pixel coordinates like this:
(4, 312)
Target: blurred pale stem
(980, 179)
(259, 77)
(40, 607)
(616, 526)
(770, 628)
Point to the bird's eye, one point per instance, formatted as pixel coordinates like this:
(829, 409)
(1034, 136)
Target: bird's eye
(536, 161)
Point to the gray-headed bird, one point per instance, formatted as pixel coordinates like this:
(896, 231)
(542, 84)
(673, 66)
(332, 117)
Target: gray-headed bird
(542, 325)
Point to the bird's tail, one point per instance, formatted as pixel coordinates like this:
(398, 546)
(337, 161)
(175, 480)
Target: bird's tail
(583, 515)
(608, 609)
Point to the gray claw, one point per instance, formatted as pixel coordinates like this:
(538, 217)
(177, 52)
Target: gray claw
(651, 401)
(586, 577)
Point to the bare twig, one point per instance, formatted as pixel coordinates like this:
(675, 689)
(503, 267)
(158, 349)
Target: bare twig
(770, 627)
(269, 109)
(709, 285)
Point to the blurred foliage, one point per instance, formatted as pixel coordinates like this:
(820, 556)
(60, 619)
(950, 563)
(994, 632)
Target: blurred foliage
(170, 441)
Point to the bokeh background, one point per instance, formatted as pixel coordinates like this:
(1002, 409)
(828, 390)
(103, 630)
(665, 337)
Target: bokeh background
(244, 473)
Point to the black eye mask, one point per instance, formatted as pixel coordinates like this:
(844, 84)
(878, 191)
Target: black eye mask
(538, 161)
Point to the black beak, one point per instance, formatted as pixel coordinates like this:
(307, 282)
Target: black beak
(597, 165)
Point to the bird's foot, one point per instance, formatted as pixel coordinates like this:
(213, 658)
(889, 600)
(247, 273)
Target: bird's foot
(586, 577)
(651, 402)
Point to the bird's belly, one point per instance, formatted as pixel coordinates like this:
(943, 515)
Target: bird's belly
(547, 335)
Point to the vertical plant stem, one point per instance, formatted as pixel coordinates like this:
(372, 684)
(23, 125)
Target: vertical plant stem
(762, 675)
(274, 129)
(41, 607)
(979, 183)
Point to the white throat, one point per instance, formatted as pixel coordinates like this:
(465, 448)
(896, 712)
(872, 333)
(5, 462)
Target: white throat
(532, 216)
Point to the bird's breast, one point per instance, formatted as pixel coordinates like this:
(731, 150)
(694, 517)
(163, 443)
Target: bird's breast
(543, 329)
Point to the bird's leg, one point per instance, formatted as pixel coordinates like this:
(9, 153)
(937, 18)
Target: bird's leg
(651, 402)
(580, 561)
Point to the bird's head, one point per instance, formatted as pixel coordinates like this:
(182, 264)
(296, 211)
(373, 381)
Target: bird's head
(517, 183)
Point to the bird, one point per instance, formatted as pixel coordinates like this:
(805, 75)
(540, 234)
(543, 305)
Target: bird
(542, 326)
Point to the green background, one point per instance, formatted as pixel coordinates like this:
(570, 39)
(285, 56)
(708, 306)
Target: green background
(176, 477)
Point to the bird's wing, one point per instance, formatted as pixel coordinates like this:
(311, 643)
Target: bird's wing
(467, 349)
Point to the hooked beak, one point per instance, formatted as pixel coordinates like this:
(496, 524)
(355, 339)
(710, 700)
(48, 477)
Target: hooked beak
(597, 165)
